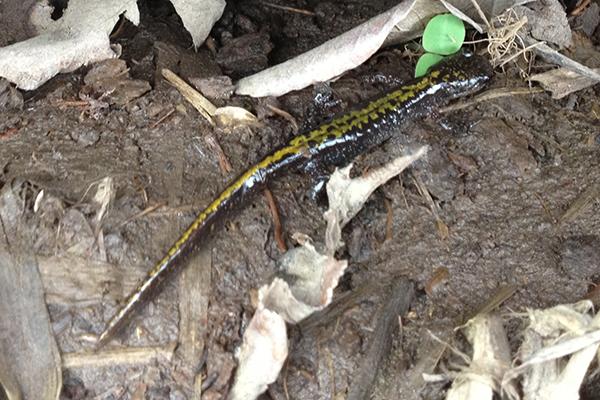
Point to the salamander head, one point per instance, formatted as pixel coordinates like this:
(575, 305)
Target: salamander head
(461, 74)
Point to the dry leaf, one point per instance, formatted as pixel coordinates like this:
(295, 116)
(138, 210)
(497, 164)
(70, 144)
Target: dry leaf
(562, 82)
(399, 24)
(491, 359)
(558, 346)
(230, 116)
(306, 280)
(30, 365)
(261, 356)
(199, 16)
(347, 196)
(79, 37)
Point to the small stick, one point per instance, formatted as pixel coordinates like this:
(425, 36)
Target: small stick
(579, 9)
(389, 219)
(7, 134)
(439, 276)
(72, 103)
(142, 213)
(286, 115)
(291, 9)
(593, 295)
(338, 306)
(224, 163)
(200, 103)
(125, 356)
(276, 221)
(502, 294)
(285, 379)
(481, 13)
(161, 119)
(490, 95)
(544, 206)
(400, 297)
(580, 204)
(442, 228)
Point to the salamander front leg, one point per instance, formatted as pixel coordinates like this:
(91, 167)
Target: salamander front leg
(319, 175)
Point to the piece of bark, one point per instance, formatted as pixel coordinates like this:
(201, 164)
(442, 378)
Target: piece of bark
(72, 280)
(30, 365)
(401, 296)
(122, 356)
(194, 290)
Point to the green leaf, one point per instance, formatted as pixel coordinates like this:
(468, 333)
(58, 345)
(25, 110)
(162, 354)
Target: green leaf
(444, 34)
(425, 62)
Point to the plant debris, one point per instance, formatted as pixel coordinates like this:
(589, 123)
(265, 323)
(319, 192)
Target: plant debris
(199, 16)
(30, 363)
(405, 21)
(490, 361)
(306, 283)
(79, 38)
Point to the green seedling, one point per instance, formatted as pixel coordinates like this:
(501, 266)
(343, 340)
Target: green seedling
(443, 35)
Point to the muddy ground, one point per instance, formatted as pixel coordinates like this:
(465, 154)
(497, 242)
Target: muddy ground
(502, 173)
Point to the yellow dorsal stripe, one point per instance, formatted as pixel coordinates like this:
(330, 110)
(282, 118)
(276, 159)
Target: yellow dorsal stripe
(355, 119)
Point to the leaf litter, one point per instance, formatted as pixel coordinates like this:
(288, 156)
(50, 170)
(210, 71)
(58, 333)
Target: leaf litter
(281, 285)
(30, 362)
(307, 280)
(81, 36)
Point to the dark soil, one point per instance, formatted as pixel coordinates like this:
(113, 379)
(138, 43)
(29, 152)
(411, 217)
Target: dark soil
(502, 175)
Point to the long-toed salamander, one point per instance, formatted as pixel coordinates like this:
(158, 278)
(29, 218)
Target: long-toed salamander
(332, 143)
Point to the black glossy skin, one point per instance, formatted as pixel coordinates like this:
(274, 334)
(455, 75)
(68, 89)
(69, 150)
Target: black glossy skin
(333, 143)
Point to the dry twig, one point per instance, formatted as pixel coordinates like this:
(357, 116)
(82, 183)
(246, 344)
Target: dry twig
(162, 119)
(200, 103)
(286, 115)
(224, 163)
(490, 95)
(290, 9)
(128, 355)
(277, 230)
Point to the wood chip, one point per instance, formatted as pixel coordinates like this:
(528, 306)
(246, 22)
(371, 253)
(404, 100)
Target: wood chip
(200, 103)
(113, 358)
(581, 203)
(400, 297)
(195, 286)
(277, 229)
(73, 280)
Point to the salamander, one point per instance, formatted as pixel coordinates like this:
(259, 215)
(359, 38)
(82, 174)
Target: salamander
(335, 142)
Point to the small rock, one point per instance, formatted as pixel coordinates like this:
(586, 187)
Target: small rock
(76, 235)
(154, 109)
(441, 176)
(580, 257)
(589, 20)
(177, 395)
(245, 24)
(111, 79)
(85, 137)
(547, 21)
(10, 98)
(246, 54)
(112, 68)
(116, 248)
(215, 87)
(74, 389)
(158, 393)
(126, 90)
